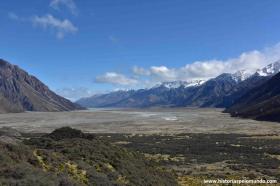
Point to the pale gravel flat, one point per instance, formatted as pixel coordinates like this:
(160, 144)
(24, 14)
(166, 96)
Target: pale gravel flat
(148, 121)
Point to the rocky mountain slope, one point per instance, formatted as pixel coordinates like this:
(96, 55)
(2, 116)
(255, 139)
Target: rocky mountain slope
(20, 91)
(261, 102)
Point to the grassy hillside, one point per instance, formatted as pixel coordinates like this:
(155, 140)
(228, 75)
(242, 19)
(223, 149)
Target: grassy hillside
(69, 157)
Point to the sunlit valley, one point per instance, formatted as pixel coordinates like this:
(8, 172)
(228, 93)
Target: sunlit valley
(150, 93)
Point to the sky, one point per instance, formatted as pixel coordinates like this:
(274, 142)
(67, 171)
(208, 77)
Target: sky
(84, 47)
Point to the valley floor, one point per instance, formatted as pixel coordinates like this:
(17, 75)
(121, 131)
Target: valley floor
(139, 121)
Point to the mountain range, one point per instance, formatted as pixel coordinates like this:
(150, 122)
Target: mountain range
(20, 92)
(222, 92)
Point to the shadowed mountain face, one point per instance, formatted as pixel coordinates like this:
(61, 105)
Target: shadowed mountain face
(261, 103)
(20, 91)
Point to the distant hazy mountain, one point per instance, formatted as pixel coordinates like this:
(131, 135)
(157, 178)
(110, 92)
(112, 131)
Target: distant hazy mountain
(261, 102)
(20, 91)
(105, 100)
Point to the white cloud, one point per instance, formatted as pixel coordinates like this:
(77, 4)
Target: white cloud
(140, 71)
(249, 61)
(163, 72)
(116, 79)
(61, 27)
(70, 4)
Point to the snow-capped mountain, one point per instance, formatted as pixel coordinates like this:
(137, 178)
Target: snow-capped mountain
(270, 69)
(177, 84)
(238, 76)
(241, 75)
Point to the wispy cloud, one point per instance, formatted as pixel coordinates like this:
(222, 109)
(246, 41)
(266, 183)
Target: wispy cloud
(116, 79)
(48, 21)
(113, 39)
(61, 27)
(70, 4)
(13, 16)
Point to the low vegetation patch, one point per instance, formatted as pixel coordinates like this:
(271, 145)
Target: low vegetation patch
(195, 157)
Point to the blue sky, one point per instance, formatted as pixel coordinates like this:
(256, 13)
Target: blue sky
(81, 47)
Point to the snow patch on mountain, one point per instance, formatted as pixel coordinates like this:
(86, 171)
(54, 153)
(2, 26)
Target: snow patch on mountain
(177, 84)
(270, 69)
(241, 75)
(195, 83)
